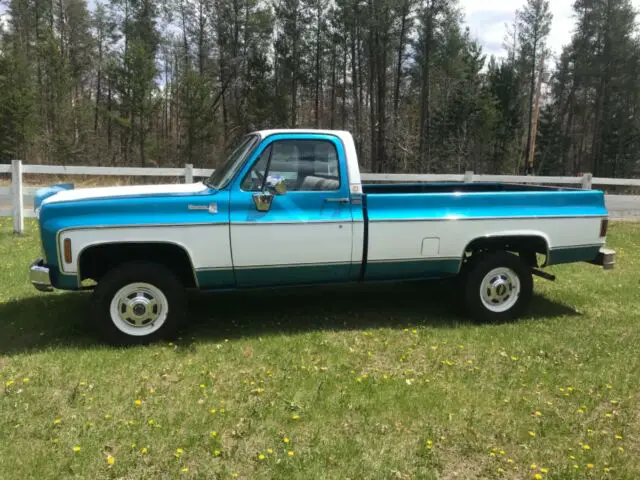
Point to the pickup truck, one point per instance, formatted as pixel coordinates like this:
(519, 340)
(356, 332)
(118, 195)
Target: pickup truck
(288, 207)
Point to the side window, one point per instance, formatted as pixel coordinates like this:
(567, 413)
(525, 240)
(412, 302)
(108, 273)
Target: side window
(306, 165)
(253, 181)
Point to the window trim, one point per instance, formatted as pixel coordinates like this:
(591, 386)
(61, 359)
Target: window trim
(266, 174)
(282, 140)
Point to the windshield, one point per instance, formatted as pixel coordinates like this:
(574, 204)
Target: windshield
(223, 174)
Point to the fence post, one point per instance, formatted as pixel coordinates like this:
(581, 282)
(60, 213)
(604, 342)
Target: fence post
(468, 176)
(17, 200)
(188, 173)
(587, 180)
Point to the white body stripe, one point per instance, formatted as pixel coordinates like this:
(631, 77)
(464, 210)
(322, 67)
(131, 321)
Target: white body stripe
(403, 240)
(125, 191)
(260, 245)
(207, 245)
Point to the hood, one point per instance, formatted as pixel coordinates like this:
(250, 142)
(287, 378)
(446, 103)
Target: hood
(56, 194)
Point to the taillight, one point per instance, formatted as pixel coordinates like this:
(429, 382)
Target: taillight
(67, 250)
(604, 226)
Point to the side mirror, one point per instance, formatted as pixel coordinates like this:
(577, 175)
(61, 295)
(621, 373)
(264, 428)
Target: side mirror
(276, 185)
(263, 201)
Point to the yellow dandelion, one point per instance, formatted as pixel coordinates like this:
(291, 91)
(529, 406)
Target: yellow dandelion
(533, 466)
(586, 447)
(576, 466)
(212, 411)
(9, 383)
(110, 460)
(291, 453)
(580, 411)
(269, 451)
(537, 414)
(500, 471)
(550, 404)
(509, 460)
(213, 434)
(184, 469)
(608, 414)
(502, 452)
(295, 417)
(234, 474)
(261, 456)
(138, 402)
(151, 421)
(76, 448)
(492, 454)
(618, 437)
(179, 452)
(217, 453)
(605, 469)
(621, 449)
(544, 470)
(532, 434)
(144, 451)
(57, 421)
(572, 457)
(538, 476)
(107, 416)
(589, 465)
(25, 380)
(286, 440)
(222, 410)
(202, 385)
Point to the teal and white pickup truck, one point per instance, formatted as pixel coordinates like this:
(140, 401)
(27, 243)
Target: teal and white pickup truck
(288, 208)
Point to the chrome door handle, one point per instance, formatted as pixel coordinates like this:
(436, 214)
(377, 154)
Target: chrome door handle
(337, 200)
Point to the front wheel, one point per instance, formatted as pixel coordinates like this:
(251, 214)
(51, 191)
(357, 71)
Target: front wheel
(138, 303)
(498, 287)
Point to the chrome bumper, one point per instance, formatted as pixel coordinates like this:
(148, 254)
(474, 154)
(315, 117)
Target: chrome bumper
(606, 259)
(39, 276)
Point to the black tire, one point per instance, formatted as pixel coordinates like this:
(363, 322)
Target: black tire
(128, 274)
(473, 276)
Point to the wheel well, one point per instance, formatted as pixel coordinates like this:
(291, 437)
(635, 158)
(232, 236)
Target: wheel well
(527, 246)
(97, 260)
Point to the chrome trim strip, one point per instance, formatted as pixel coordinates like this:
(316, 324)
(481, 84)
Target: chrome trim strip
(287, 265)
(497, 217)
(571, 247)
(413, 260)
(293, 222)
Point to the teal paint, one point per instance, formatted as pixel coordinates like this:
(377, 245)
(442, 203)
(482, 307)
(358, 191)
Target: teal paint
(427, 268)
(293, 275)
(210, 279)
(569, 255)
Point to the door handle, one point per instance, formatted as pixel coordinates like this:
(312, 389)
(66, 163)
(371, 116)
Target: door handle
(342, 201)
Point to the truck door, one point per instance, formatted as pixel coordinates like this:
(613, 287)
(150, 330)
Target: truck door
(303, 236)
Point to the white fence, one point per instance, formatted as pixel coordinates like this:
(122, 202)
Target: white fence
(13, 197)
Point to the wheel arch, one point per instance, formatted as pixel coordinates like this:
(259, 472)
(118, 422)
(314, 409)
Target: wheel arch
(527, 242)
(170, 254)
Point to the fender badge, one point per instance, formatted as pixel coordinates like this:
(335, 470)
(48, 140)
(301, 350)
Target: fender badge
(213, 208)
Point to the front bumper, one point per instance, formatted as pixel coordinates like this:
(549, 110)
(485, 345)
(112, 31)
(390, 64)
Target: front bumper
(39, 276)
(606, 259)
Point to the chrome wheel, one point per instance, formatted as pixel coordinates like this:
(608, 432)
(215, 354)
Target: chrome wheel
(139, 309)
(500, 289)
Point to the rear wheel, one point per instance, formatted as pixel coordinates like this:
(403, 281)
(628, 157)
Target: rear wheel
(498, 287)
(138, 303)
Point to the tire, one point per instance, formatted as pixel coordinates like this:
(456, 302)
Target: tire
(138, 303)
(512, 290)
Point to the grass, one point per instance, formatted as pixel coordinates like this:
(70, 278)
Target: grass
(377, 382)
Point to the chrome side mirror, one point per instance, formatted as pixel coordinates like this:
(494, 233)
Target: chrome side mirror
(263, 201)
(276, 185)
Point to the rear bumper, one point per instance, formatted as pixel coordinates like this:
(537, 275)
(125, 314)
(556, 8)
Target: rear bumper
(39, 276)
(606, 259)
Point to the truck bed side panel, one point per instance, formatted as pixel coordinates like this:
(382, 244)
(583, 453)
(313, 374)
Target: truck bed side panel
(426, 235)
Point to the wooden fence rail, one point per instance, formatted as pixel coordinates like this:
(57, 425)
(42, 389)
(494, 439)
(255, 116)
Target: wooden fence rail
(12, 198)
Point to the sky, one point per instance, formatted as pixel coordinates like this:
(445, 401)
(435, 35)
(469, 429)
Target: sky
(487, 20)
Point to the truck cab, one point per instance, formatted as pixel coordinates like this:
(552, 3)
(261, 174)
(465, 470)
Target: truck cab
(288, 207)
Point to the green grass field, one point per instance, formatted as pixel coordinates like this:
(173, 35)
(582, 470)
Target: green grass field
(377, 382)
